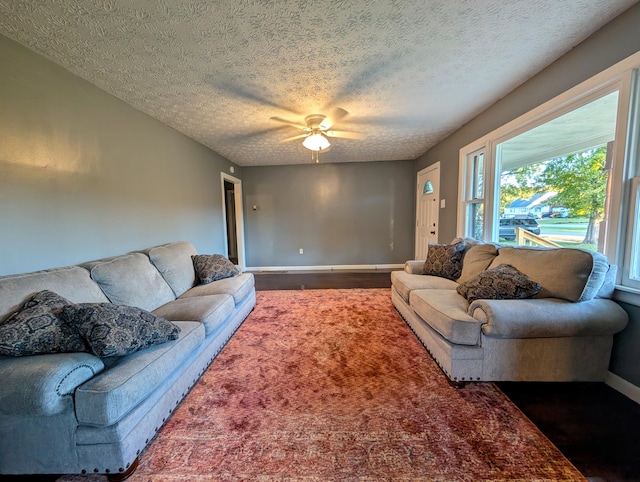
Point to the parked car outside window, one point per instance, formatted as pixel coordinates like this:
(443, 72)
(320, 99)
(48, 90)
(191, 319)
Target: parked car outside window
(557, 213)
(508, 227)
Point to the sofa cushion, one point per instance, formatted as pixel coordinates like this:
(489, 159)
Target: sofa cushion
(132, 280)
(211, 310)
(503, 282)
(405, 283)
(37, 328)
(213, 267)
(444, 260)
(566, 273)
(239, 287)
(446, 312)
(174, 263)
(129, 380)
(118, 330)
(476, 259)
(73, 283)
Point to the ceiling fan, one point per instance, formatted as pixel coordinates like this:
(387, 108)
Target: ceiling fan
(317, 130)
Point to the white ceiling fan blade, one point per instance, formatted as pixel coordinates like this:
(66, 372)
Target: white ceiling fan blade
(301, 136)
(291, 123)
(347, 134)
(337, 115)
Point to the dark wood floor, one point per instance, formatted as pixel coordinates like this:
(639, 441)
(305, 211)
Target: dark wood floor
(594, 426)
(309, 280)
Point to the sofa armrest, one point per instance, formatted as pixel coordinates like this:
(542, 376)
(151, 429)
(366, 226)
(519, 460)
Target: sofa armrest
(414, 266)
(43, 384)
(548, 317)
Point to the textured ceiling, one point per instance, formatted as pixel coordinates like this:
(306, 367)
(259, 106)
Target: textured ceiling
(408, 72)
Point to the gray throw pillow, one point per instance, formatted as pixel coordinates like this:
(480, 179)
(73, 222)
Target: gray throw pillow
(36, 328)
(444, 260)
(212, 267)
(116, 330)
(504, 282)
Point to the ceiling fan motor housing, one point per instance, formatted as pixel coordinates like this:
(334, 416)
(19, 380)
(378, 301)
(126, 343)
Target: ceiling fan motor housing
(314, 121)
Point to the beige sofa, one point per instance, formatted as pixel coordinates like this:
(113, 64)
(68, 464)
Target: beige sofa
(84, 413)
(563, 333)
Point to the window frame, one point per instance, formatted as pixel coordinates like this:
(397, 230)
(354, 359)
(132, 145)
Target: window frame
(467, 184)
(631, 247)
(631, 267)
(619, 222)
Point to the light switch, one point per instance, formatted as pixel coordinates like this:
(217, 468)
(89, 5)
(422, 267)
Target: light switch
(442, 203)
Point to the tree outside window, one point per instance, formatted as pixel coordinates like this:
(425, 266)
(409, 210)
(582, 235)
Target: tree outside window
(579, 181)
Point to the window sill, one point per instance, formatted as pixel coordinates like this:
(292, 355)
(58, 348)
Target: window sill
(628, 295)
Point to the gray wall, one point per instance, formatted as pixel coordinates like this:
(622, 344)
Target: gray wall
(352, 213)
(613, 43)
(625, 357)
(83, 175)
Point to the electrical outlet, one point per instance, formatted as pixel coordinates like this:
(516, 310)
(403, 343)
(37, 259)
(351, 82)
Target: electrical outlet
(301, 251)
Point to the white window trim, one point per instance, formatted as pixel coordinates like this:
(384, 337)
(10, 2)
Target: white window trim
(464, 181)
(632, 192)
(619, 76)
(632, 250)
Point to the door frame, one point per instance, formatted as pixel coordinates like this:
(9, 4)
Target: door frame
(237, 194)
(436, 168)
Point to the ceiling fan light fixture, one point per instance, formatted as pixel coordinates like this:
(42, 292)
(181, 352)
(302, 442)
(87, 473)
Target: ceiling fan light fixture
(316, 142)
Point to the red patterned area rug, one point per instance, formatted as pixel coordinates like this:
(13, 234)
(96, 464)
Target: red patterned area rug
(324, 385)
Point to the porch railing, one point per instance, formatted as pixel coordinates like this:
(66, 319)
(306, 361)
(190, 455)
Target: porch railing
(527, 238)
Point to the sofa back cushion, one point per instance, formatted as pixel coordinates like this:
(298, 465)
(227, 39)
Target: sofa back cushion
(72, 283)
(174, 263)
(609, 283)
(476, 259)
(132, 280)
(566, 273)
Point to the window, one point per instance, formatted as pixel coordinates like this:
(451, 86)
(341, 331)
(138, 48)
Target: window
(632, 278)
(631, 263)
(473, 188)
(563, 174)
(557, 172)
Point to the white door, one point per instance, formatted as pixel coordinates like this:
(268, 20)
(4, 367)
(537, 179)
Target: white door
(427, 209)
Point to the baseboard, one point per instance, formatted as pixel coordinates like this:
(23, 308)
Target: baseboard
(628, 389)
(339, 267)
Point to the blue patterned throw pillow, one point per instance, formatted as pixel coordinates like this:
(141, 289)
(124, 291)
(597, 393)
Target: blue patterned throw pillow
(212, 267)
(504, 282)
(36, 328)
(116, 330)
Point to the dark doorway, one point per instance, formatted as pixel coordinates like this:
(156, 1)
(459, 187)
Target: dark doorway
(230, 211)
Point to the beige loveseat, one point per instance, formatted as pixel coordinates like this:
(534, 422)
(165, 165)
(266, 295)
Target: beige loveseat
(563, 333)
